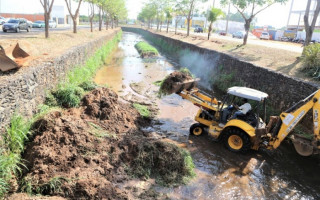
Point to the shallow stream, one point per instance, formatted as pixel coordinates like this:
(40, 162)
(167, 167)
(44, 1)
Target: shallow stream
(220, 174)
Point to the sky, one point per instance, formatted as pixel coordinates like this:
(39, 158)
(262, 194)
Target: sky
(276, 15)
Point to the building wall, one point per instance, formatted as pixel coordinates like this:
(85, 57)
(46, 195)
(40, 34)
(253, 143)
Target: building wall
(30, 17)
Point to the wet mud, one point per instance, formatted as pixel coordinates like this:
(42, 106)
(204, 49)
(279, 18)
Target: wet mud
(220, 174)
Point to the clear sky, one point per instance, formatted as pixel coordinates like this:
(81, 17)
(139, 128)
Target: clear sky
(276, 15)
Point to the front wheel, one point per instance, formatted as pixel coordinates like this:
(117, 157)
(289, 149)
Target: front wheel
(196, 129)
(237, 140)
(17, 30)
(28, 29)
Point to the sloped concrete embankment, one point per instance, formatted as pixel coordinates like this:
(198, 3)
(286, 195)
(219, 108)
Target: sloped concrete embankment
(284, 91)
(23, 92)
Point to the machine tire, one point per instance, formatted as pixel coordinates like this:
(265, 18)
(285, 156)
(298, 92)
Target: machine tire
(237, 140)
(197, 129)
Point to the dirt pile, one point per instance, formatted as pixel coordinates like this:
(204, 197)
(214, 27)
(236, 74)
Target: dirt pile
(87, 152)
(168, 85)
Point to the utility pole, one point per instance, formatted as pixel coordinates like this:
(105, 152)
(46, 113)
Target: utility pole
(227, 23)
(213, 3)
(290, 13)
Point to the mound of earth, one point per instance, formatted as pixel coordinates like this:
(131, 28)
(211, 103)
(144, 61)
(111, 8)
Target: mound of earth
(168, 84)
(87, 152)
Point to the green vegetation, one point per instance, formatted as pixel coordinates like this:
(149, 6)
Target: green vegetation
(99, 132)
(79, 80)
(311, 60)
(143, 110)
(52, 186)
(145, 49)
(169, 164)
(67, 94)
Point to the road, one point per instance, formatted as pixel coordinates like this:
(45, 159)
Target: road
(289, 46)
(35, 31)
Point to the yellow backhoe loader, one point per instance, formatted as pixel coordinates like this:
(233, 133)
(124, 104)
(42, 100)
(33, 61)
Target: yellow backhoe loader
(250, 131)
(8, 57)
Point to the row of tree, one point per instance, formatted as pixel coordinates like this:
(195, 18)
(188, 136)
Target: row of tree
(165, 10)
(111, 10)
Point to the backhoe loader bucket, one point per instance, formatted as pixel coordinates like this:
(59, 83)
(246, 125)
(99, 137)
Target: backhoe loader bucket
(7, 57)
(303, 145)
(186, 85)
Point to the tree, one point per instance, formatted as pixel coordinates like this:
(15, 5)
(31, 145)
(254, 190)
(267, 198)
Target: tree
(310, 28)
(168, 16)
(76, 14)
(47, 6)
(214, 14)
(147, 14)
(91, 15)
(255, 6)
(187, 7)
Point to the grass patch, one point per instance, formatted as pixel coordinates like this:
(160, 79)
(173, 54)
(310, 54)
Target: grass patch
(51, 187)
(143, 110)
(167, 163)
(146, 50)
(99, 132)
(311, 60)
(79, 80)
(158, 83)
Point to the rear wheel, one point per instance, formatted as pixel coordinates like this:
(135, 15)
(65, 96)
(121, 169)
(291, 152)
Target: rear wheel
(197, 129)
(5, 31)
(237, 140)
(28, 29)
(18, 30)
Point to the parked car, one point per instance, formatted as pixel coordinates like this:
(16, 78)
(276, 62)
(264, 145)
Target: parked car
(222, 33)
(2, 20)
(52, 24)
(238, 34)
(38, 24)
(16, 25)
(265, 36)
(198, 30)
(29, 24)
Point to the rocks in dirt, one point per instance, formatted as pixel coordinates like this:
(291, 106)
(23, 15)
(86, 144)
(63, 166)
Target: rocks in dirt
(115, 116)
(78, 154)
(167, 85)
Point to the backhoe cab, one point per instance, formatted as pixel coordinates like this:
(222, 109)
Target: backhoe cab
(250, 131)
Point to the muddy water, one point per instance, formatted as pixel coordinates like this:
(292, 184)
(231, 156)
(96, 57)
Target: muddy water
(220, 174)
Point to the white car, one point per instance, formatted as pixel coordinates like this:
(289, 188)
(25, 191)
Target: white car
(265, 36)
(52, 24)
(2, 20)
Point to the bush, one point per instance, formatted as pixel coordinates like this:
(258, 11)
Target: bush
(88, 85)
(146, 49)
(68, 96)
(311, 60)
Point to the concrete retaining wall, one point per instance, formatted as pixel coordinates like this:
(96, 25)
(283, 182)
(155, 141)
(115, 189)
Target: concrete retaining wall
(24, 91)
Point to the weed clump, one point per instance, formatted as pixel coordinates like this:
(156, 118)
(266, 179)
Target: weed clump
(146, 50)
(143, 110)
(68, 96)
(169, 164)
(311, 60)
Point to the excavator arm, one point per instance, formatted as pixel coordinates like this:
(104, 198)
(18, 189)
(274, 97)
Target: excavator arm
(291, 117)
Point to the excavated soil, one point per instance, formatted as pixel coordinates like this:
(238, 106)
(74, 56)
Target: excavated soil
(87, 152)
(175, 77)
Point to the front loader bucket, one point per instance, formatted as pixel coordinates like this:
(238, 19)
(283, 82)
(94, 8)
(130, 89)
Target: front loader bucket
(186, 85)
(303, 145)
(7, 57)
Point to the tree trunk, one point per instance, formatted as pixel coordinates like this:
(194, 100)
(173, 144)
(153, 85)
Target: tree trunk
(107, 23)
(246, 28)
(158, 22)
(91, 26)
(168, 26)
(46, 19)
(74, 25)
(209, 31)
(112, 23)
(175, 28)
(160, 25)
(100, 19)
(188, 29)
